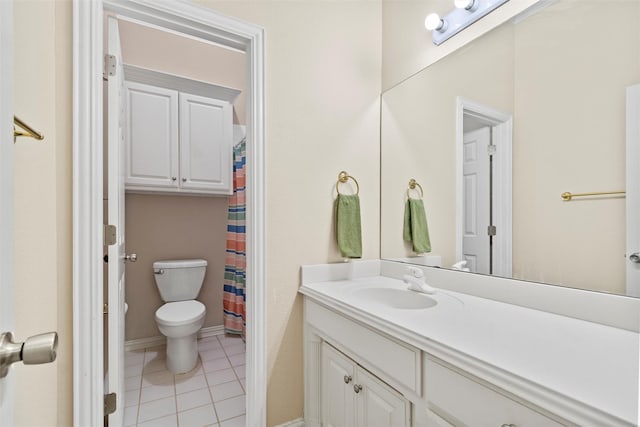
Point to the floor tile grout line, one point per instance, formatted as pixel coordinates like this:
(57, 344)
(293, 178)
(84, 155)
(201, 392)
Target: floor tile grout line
(215, 410)
(147, 353)
(175, 399)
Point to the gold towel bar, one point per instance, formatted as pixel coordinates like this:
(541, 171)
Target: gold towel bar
(29, 131)
(343, 177)
(412, 186)
(567, 196)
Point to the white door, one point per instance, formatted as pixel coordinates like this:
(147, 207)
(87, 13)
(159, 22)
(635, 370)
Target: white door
(378, 405)
(6, 197)
(476, 200)
(115, 217)
(338, 397)
(633, 190)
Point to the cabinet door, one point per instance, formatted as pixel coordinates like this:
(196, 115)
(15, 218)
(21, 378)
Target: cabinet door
(338, 372)
(206, 135)
(378, 405)
(151, 137)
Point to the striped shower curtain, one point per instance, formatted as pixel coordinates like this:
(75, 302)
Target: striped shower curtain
(236, 257)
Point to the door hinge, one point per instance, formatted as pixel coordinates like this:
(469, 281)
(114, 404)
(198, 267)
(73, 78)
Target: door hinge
(491, 230)
(110, 235)
(491, 149)
(109, 403)
(110, 63)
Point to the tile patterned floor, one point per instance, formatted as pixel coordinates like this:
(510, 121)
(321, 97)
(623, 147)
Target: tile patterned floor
(212, 394)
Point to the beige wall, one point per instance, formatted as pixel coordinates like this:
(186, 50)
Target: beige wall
(172, 227)
(43, 283)
(180, 227)
(569, 135)
(322, 109)
(322, 88)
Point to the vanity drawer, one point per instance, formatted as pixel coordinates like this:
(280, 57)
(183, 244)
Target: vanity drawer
(465, 402)
(396, 363)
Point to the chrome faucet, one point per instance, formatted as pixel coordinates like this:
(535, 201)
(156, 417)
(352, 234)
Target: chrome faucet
(415, 279)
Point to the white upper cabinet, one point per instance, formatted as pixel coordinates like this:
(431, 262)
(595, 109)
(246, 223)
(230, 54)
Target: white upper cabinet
(151, 137)
(206, 136)
(178, 142)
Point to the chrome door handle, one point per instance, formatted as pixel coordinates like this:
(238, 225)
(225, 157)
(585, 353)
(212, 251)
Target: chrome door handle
(33, 351)
(634, 257)
(131, 258)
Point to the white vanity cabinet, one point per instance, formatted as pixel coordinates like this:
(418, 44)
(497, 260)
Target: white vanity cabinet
(352, 396)
(457, 399)
(358, 375)
(176, 141)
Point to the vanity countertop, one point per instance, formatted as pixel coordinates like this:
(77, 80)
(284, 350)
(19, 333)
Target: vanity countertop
(554, 357)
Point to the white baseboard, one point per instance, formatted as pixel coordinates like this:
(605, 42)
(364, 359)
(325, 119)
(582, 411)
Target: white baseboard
(295, 423)
(140, 343)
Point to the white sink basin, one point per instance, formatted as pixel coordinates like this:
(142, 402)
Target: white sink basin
(395, 298)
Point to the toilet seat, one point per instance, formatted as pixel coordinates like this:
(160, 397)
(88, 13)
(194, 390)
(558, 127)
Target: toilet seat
(180, 313)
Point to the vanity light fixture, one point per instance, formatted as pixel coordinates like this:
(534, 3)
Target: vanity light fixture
(433, 22)
(466, 13)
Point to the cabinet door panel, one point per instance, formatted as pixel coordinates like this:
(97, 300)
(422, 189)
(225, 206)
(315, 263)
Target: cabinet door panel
(151, 136)
(378, 405)
(338, 406)
(206, 133)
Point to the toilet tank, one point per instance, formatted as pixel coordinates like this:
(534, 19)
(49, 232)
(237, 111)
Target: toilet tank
(179, 279)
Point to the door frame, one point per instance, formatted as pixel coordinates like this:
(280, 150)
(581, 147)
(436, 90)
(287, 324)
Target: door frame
(199, 22)
(632, 154)
(502, 125)
(6, 197)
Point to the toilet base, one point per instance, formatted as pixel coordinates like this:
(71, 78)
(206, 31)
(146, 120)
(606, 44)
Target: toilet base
(182, 354)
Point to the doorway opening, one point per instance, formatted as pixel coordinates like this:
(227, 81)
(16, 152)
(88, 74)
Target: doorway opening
(207, 26)
(483, 188)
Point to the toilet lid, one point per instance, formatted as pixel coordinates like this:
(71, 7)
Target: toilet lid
(180, 312)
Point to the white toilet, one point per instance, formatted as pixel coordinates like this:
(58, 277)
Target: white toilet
(180, 319)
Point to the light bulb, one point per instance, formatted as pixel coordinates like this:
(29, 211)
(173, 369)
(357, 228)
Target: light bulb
(434, 22)
(466, 4)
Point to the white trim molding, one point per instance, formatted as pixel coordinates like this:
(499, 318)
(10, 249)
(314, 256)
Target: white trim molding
(6, 198)
(195, 21)
(295, 423)
(502, 125)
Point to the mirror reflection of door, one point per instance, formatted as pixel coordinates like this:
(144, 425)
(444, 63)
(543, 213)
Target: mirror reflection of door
(484, 187)
(476, 170)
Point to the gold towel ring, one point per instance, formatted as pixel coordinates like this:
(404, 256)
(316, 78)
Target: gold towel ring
(343, 177)
(412, 186)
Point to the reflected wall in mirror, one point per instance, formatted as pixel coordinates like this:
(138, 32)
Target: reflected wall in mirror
(558, 76)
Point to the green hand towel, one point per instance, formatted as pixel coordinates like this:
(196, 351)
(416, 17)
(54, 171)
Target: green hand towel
(348, 229)
(415, 226)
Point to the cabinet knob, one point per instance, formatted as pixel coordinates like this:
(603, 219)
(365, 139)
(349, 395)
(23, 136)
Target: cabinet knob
(184, 179)
(173, 178)
(347, 379)
(509, 425)
(357, 388)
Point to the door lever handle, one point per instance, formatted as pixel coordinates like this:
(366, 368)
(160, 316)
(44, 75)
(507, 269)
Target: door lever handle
(33, 351)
